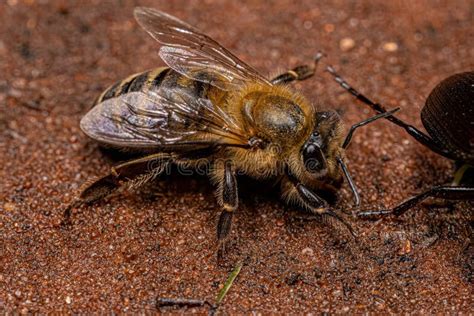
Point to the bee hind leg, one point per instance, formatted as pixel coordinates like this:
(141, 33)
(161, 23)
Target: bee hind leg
(302, 72)
(132, 174)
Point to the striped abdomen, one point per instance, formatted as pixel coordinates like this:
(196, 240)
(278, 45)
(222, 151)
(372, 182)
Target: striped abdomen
(162, 78)
(148, 80)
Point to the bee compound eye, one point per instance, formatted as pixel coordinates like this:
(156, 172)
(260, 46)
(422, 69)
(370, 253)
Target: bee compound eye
(312, 158)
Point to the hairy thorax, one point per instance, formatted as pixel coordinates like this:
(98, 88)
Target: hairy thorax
(281, 120)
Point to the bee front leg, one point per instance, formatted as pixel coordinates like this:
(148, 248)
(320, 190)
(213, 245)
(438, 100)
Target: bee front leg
(304, 196)
(227, 197)
(311, 200)
(298, 73)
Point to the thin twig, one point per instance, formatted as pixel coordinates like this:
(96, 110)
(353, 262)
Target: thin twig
(189, 302)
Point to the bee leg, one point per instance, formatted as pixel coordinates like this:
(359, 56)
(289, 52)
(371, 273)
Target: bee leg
(411, 130)
(445, 192)
(319, 206)
(313, 203)
(227, 197)
(133, 173)
(298, 73)
(311, 200)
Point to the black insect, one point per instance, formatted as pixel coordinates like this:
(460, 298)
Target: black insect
(448, 116)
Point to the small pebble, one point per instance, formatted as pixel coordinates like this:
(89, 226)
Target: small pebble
(406, 248)
(308, 251)
(418, 37)
(9, 207)
(329, 28)
(353, 22)
(390, 47)
(68, 300)
(346, 44)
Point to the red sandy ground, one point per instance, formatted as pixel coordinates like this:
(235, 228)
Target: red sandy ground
(124, 253)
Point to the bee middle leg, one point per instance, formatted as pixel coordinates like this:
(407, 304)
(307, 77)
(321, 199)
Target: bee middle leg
(298, 73)
(227, 197)
(132, 173)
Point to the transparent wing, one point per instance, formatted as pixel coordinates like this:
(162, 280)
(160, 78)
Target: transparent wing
(160, 119)
(187, 51)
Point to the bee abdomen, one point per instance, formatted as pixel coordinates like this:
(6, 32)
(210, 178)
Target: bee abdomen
(148, 80)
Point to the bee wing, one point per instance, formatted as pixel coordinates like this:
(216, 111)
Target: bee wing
(156, 119)
(187, 51)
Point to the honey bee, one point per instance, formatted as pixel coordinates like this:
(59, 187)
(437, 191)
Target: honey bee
(211, 108)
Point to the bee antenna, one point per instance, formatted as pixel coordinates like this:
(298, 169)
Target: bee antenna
(365, 122)
(351, 183)
(346, 143)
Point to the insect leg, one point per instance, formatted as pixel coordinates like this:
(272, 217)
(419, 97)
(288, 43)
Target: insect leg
(411, 130)
(445, 192)
(315, 204)
(132, 173)
(227, 196)
(295, 191)
(319, 206)
(298, 73)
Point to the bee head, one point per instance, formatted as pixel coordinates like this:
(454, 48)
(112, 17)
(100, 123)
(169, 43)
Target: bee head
(318, 153)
